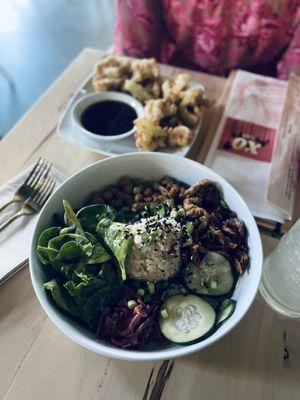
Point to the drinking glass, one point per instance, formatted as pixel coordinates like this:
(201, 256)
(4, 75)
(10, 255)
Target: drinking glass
(280, 285)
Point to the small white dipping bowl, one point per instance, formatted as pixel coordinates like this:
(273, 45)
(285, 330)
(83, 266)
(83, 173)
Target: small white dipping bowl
(149, 166)
(86, 101)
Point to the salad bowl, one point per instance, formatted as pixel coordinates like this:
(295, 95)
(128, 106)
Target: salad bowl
(148, 166)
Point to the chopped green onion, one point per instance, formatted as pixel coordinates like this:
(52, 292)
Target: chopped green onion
(181, 212)
(189, 242)
(164, 313)
(213, 284)
(224, 204)
(210, 236)
(189, 227)
(131, 304)
(137, 190)
(179, 235)
(170, 202)
(151, 287)
(173, 214)
(141, 292)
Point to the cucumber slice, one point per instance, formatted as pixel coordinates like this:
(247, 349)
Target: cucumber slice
(226, 310)
(213, 277)
(186, 318)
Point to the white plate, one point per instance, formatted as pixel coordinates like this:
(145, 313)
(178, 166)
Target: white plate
(67, 129)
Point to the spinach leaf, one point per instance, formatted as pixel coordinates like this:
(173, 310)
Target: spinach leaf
(99, 254)
(47, 235)
(45, 254)
(108, 273)
(61, 297)
(87, 285)
(71, 217)
(71, 245)
(90, 216)
(92, 309)
(114, 236)
(65, 268)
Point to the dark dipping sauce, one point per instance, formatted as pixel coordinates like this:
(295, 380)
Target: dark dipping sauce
(108, 118)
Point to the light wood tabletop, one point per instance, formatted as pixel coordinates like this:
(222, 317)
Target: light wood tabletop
(37, 361)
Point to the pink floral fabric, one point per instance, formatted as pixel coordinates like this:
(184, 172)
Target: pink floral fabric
(213, 35)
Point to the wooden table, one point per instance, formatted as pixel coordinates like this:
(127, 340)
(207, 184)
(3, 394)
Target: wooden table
(37, 361)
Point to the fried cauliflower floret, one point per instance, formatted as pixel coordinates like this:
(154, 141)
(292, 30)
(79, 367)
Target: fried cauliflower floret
(105, 84)
(180, 136)
(156, 110)
(192, 96)
(144, 69)
(137, 90)
(110, 73)
(155, 88)
(188, 117)
(171, 88)
(113, 67)
(149, 136)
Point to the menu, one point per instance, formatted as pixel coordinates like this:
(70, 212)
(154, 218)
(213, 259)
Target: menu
(246, 144)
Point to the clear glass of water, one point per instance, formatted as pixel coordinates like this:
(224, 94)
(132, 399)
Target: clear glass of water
(280, 285)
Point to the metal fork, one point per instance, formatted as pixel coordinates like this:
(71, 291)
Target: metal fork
(32, 183)
(34, 203)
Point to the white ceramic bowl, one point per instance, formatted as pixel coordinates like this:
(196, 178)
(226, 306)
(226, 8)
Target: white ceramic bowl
(85, 101)
(149, 166)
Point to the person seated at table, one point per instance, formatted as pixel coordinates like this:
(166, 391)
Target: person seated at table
(214, 36)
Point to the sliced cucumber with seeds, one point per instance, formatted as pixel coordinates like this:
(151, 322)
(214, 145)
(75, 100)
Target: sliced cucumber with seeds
(213, 277)
(186, 318)
(226, 310)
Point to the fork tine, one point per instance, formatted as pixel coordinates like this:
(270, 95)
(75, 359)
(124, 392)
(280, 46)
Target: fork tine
(40, 167)
(33, 171)
(39, 193)
(43, 194)
(41, 174)
(47, 194)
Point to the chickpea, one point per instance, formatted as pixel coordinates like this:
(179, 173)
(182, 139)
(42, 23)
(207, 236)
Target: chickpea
(158, 198)
(138, 197)
(97, 200)
(174, 190)
(128, 188)
(124, 181)
(107, 195)
(166, 181)
(155, 186)
(128, 201)
(117, 203)
(148, 191)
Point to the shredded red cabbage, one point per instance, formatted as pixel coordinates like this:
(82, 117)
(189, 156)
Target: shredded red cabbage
(130, 328)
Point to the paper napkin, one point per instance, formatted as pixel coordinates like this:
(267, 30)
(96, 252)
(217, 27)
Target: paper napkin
(15, 239)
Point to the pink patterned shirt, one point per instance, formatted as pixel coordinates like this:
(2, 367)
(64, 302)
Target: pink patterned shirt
(213, 35)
